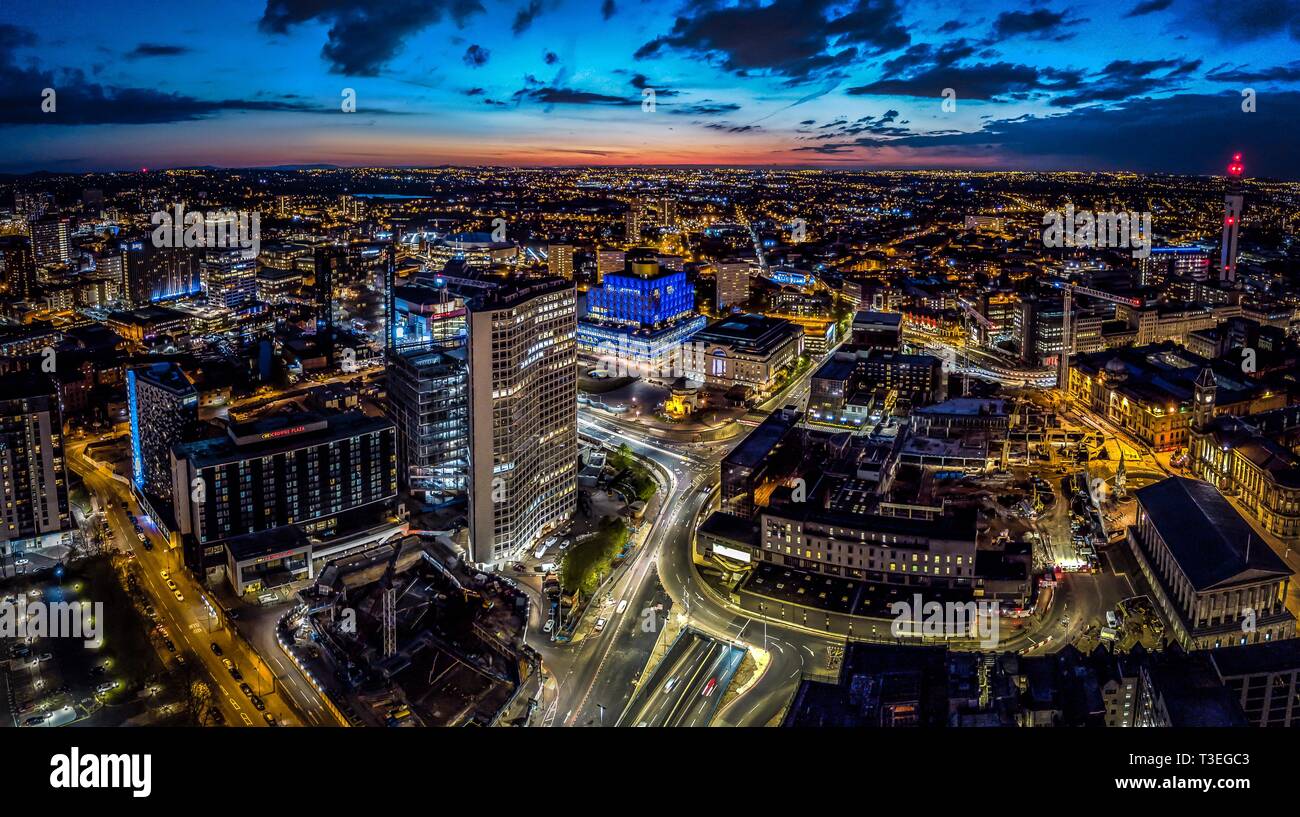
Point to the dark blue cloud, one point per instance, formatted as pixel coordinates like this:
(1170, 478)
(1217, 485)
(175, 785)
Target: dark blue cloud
(796, 39)
(364, 35)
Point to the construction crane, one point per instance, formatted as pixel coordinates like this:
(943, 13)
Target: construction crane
(1067, 324)
(388, 609)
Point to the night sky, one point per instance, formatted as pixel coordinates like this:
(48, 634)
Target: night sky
(1142, 85)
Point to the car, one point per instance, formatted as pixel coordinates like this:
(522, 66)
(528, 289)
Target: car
(709, 687)
(19, 651)
(45, 656)
(246, 689)
(270, 719)
(258, 703)
(216, 649)
(622, 605)
(170, 645)
(171, 585)
(165, 574)
(36, 720)
(22, 561)
(107, 686)
(668, 687)
(228, 663)
(549, 625)
(235, 673)
(148, 545)
(600, 624)
(216, 716)
(180, 596)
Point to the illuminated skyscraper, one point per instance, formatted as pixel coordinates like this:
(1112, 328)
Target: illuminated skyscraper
(34, 493)
(17, 267)
(560, 260)
(158, 273)
(523, 421)
(229, 277)
(52, 241)
(163, 406)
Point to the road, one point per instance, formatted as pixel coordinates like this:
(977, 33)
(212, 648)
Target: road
(687, 685)
(192, 621)
(595, 674)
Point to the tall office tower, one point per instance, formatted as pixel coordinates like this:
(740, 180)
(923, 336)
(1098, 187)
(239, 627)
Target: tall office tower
(17, 267)
(523, 422)
(111, 264)
(229, 277)
(328, 476)
(34, 513)
(608, 261)
(158, 273)
(390, 298)
(1231, 221)
(1163, 263)
(330, 265)
(52, 241)
(429, 403)
(560, 260)
(632, 223)
(163, 408)
(668, 212)
(732, 280)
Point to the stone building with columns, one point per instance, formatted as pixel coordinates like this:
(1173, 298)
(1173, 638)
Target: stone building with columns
(1215, 580)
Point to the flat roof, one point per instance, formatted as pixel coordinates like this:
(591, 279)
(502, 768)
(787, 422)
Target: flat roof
(760, 442)
(278, 434)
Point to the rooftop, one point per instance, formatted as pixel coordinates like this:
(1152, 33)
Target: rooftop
(1212, 543)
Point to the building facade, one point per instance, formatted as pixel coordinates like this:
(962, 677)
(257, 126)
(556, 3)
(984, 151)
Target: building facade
(1214, 579)
(523, 423)
(34, 491)
(428, 401)
(327, 475)
(162, 405)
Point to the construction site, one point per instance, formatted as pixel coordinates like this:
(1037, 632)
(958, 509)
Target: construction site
(403, 635)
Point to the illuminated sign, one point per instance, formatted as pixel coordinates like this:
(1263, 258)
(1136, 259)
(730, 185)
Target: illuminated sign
(731, 553)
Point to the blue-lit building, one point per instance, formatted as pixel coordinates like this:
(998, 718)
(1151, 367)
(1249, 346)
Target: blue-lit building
(645, 295)
(152, 274)
(163, 406)
(642, 316)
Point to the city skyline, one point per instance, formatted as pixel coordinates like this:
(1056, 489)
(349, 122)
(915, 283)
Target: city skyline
(789, 83)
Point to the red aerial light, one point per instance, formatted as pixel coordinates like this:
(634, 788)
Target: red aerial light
(1236, 157)
(1230, 220)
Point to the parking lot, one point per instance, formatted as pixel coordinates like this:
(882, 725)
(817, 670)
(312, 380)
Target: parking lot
(99, 670)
